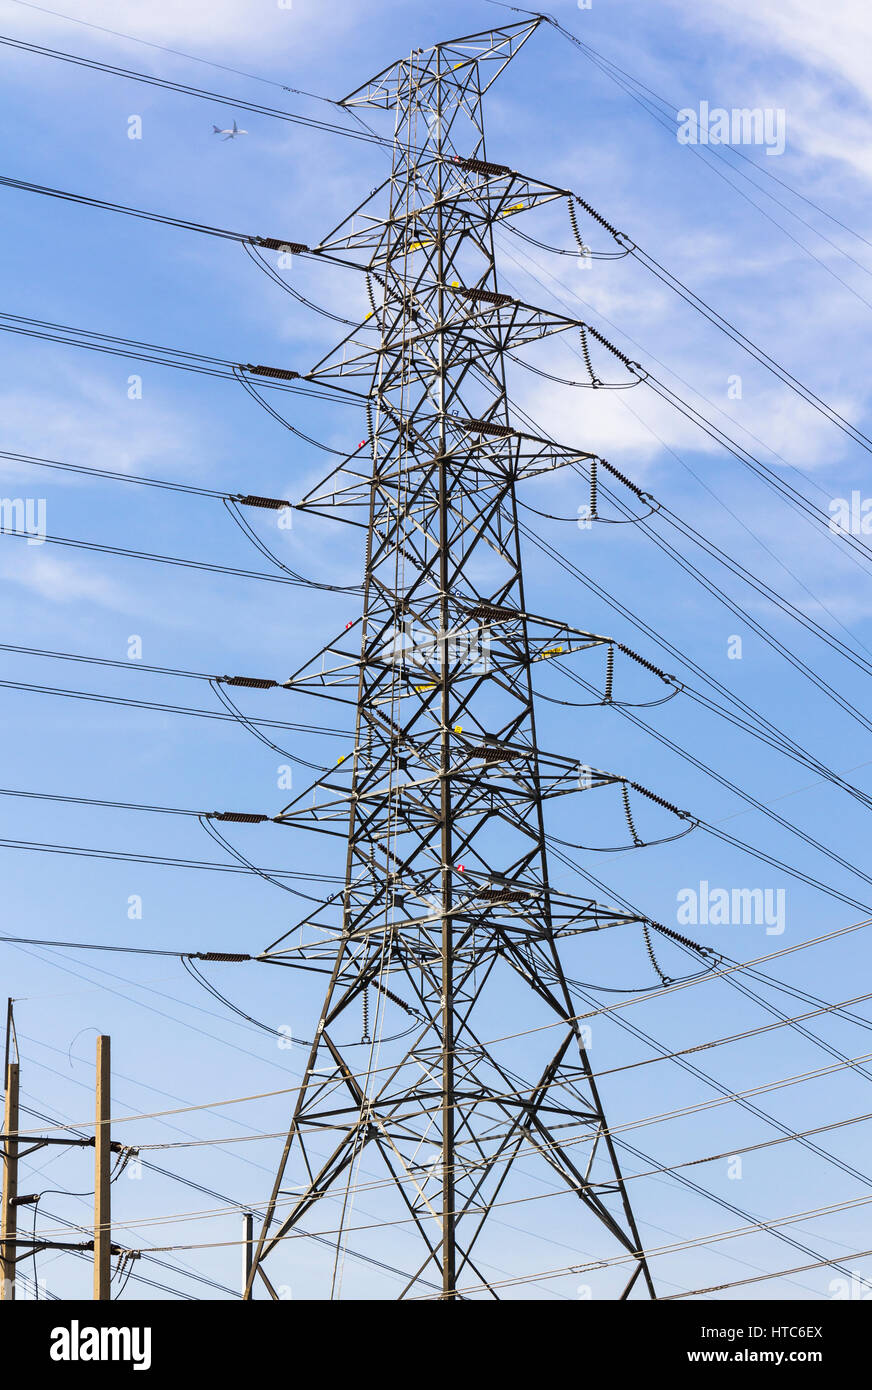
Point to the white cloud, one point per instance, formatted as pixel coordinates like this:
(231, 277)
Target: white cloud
(60, 580)
(835, 38)
(825, 86)
(83, 419)
(227, 31)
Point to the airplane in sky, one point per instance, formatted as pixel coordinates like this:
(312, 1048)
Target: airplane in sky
(228, 134)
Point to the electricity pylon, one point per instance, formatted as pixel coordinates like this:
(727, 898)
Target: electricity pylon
(447, 927)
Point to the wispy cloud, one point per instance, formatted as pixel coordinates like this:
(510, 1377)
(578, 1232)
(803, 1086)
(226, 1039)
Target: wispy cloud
(84, 419)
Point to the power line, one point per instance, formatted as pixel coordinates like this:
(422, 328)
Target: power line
(166, 861)
(187, 89)
(290, 577)
(175, 52)
(446, 886)
(275, 378)
(758, 1278)
(695, 1186)
(688, 1244)
(160, 707)
(607, 66)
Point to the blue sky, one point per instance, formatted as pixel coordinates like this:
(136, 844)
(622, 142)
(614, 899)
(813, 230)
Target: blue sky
(801, 288)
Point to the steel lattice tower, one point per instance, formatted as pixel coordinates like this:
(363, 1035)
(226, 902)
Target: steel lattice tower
(447, 921)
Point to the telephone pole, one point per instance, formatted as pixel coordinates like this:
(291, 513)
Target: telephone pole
(9, 1220)
(247, 1247)
(15, 1147)
(448, 930)
(102, 1171)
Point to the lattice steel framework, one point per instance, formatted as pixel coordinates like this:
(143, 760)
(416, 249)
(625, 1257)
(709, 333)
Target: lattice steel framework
(447, 923)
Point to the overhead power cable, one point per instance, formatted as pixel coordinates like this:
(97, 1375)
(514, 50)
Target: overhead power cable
(290, 577)
(115, 475)
(175, 52)
(166, 861)
(751, 720)
(119, 950)
(605, 65)
(766, 732)
(210, 1192)
(737, 791)
(794, 497)
(250, 241)
(275, 378)
(170, 709)
(187, 89)
(666, 276)
(220, 367)
(106, 661)
(685, 564)
(771, 1227)
(26, 186)
(632, 86)
(729, 561)
(666, 119)
(758, 1278)
(848, 706)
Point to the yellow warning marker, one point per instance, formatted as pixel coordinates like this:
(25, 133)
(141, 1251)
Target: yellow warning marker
(341, 758)
(516, 207)
(458, 728)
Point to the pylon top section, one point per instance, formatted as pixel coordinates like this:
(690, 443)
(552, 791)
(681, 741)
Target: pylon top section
(476, 59)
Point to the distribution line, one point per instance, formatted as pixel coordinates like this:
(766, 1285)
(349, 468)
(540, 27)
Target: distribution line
(759, 1278)
(648, 1120)
(705, 1193)
(689, 1243)
(199, 1187)
(149, 1253)
(320, 1239)
(678, 1246)
(630, 1177)
(839, 1008)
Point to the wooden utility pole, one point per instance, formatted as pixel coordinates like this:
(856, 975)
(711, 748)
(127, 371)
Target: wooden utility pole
(9, 1222)
(102, 1165)
(247, 1248)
